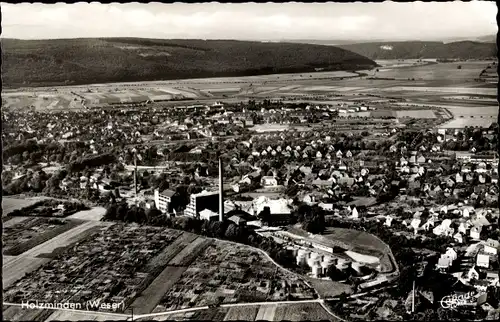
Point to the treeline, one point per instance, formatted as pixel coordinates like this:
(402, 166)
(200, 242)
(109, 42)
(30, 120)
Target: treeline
(425, 49)
(48, 207)
(91, 162)
(27, 147)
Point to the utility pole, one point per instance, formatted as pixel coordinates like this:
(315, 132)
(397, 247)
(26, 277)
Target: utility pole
(135, 173)
(413, 299)
(221, 190)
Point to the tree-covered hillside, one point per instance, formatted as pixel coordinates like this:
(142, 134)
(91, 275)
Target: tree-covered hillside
(84, 61)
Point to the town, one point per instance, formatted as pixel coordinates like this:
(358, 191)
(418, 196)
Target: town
(323, 195)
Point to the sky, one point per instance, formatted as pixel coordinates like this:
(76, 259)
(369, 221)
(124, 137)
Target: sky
(250, 21)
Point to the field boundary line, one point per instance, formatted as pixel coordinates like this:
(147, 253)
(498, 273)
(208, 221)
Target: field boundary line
(170, 312)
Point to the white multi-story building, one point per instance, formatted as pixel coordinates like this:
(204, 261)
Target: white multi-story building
(163, 200)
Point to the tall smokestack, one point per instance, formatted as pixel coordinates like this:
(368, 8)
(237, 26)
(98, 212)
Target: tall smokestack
(135, 175)
(221, 191)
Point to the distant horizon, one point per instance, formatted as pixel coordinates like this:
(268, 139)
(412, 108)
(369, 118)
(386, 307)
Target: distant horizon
(343, 41)
(352, 22)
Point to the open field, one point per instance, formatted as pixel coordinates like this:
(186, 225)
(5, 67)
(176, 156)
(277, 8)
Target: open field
(10, 204)
(432, 82)
(469, 70)
(471, 116)
(356, 238)
(327, 288)
(443, 90)
(9, 221)
(94, 214)
(421, 114)
(463, 122)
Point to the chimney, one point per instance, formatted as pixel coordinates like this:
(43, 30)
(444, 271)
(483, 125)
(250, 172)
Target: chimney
(221, 191)
(135, 174)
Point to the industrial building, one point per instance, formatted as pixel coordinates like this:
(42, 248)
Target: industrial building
(201, 201)
(163, 200)
(319, 264)
(206, 203)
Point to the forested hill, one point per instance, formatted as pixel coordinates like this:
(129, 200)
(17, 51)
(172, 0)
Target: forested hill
(85, 61)
(425, 49)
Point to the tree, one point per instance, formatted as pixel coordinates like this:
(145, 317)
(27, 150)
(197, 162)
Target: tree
(231, 231)
(121, 211)
(111, 212)
(265, 215)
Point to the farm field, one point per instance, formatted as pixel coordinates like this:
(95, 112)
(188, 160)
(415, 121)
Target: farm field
(15, 267)
(31, 232)
(422, 114)
(230, 273)
(248, 313)
(180, 251)
(429, 80)
(266, 312)
(463, 122)
(444, 90)
(149, 299)
(16, 313)
(82, 316)
(191, 270)
(471, 116)
(301, 312)
(469, 70)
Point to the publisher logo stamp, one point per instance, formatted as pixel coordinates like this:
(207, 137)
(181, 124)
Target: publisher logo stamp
(454, 301)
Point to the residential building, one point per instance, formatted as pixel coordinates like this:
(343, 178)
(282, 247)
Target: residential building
(268, 181)
(475, 232)
(491, 246)
(483, 260)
